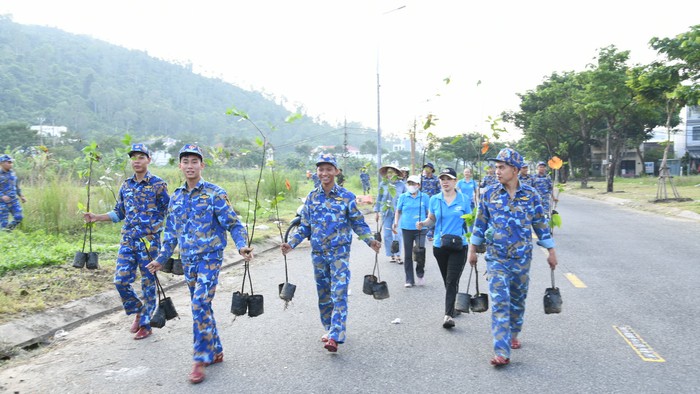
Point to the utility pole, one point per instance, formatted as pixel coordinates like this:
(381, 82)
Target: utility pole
(345, 142)
(412, 135)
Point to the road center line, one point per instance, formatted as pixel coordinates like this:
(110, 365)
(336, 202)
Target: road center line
(575, 280)
(643, 350)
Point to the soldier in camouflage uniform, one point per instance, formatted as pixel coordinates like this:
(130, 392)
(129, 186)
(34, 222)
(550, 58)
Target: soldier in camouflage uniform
(524, 177)
(329, 215)
(142, 204)
(199, 215)
(430, 184)
(544, 186)
(506, 216)
(364, 178)
(10, 195)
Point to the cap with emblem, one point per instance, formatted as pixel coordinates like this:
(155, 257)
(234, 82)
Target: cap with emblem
(326, 158)
(448, 172)
(509, 156)
(139, 148)
(191, 149)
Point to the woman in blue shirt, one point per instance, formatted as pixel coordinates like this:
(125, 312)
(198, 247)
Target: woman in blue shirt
(468, 186)
(412, 207)
(450, 242)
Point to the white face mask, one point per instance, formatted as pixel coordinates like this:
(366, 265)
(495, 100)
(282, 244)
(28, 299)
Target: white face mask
(412, 189)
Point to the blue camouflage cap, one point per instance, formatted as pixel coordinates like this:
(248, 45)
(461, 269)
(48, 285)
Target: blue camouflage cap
(4, 158)
(542, 164)
(139, 148)
(510, 157)
(326, 158)
(189, 148)
(429, 164)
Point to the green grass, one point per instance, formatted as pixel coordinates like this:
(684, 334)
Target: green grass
(643, 191)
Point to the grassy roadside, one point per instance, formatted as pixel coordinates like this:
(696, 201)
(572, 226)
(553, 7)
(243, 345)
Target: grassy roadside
(640, 193)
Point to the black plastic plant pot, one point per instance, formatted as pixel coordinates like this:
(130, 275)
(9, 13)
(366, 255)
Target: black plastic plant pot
(368, 284)
(394, 246)
(158, 319)
(177, 267)
(92, 261)
(168, 266)
(239, 303)
(419, 255)
(287, 291)
(552, 300)
(169, 308)
(378, 236)
(256, 305)
(479, 303)
(380, 290)
(80, 259)
(480, 248)
(462, 302)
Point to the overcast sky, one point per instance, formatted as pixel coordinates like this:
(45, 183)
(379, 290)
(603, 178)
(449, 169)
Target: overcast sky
(324, 55)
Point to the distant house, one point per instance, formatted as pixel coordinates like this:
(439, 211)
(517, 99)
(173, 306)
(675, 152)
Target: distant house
(688, 139)
(49, 131)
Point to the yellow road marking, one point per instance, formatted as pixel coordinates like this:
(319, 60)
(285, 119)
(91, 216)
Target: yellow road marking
(643, 350)
(575, 280)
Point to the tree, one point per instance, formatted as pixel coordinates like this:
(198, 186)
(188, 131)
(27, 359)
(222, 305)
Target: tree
(16, 135)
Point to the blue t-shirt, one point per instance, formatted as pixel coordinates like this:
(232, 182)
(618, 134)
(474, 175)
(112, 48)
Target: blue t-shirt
(467, 188)
(413, 209)
(448, 218)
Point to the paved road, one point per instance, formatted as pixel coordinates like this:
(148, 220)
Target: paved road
(639, 272)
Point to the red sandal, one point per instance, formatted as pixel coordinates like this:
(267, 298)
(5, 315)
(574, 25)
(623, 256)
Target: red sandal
(331, 345)
(197, 375)
(515, 343)
(499, 361)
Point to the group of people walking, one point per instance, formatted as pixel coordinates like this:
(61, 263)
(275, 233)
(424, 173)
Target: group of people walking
(195, 218)
(198, 215)
(509, 206)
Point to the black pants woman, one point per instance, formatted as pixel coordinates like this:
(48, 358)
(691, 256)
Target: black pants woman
(451, 264)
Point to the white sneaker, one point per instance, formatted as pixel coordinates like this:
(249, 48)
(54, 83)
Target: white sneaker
(448, 322)
(407, 285)
(420, 281)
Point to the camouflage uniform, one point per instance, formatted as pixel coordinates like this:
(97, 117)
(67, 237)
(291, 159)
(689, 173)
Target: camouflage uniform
(544, 186)
(489, 180)
(385, 205)
(9, 186)
(364, 178)
(526, 180)
(505, 226)
(198, 220)
(317, 181)
(329, 219)
(142, 206)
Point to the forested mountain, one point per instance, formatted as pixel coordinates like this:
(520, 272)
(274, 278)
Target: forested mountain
(97, 89)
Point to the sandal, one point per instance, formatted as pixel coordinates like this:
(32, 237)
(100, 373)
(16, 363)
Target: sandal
(515, 343)
(324, 338)
(499, 361)
(331, 345)
(197, 374)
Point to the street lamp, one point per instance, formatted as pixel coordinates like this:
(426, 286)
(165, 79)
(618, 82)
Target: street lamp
(379, 127)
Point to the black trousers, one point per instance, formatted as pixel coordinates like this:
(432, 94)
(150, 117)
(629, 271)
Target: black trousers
(451, 265)
(410, 238)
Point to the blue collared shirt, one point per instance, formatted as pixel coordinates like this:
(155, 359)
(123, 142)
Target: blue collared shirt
(142, 206)
(412, 209)
(329, 219)
(506, 224)
(198, 220)
(448, 217)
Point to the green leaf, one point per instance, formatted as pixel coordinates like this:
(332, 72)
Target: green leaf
(293, 117)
